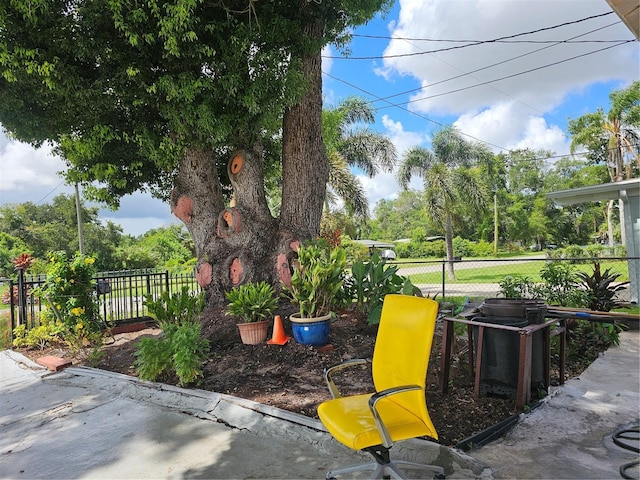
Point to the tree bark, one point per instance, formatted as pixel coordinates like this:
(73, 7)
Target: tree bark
(234, 244)
(242, 242)
(305, 169)
(448, 233)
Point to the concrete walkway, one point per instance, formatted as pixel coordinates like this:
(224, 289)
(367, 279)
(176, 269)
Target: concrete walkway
(570, 435)
(87, 423)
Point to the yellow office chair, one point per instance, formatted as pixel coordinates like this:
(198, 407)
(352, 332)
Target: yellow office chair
(398, 409)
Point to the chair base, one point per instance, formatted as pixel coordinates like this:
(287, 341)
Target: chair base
(383, 467)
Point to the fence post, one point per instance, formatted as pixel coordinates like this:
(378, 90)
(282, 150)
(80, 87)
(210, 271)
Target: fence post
(166, 279)
(443, 274)
(12, 307)
(22, 300)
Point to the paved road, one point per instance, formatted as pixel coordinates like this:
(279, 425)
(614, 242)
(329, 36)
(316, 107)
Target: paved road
(466, 264)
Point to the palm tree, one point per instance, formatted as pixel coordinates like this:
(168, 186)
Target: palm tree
(349, 144)
(450, 183)
(613, 139)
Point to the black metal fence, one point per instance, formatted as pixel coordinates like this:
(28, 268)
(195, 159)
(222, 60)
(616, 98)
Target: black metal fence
(120, 294)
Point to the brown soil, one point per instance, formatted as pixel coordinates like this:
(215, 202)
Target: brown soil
(291, 376)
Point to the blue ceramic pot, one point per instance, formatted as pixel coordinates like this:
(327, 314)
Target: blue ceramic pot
(314, 333)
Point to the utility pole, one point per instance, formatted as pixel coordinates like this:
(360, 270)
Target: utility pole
(79, 217)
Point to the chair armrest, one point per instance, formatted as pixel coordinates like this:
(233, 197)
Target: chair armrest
(373, 401)
(328, 374)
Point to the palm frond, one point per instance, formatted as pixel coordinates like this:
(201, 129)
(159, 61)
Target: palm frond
(415, 162)
(368, 150)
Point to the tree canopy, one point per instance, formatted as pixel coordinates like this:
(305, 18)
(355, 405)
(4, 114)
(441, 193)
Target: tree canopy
(183, 98)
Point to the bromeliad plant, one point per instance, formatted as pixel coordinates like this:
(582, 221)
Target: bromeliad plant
(601, 290)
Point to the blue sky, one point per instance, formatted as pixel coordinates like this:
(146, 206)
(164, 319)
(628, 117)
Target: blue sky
(516, 93)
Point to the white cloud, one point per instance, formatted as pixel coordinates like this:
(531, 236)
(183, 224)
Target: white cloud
(30, 174)
(507, 126)
(403, 140)
(26, 170)
(539, 90)
(384, 185)
(137, 226)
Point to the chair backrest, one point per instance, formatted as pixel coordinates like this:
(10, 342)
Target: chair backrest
(403, 347)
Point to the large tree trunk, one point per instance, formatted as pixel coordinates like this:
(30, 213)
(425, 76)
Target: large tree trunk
(241, 242)
(234, 244)
(305, 169)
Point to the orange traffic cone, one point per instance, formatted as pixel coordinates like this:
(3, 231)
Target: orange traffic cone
(279, 337)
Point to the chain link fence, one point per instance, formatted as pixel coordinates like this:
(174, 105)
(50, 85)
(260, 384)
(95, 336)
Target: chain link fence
(480, 279)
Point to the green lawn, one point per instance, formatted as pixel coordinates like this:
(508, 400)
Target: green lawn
(494, 274)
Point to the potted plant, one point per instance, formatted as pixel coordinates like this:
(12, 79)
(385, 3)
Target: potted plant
(316, 280)
(254, 303)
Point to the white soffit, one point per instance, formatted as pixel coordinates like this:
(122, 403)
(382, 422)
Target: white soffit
(597, 193)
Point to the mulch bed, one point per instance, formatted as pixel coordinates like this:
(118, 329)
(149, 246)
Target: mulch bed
(291, 376)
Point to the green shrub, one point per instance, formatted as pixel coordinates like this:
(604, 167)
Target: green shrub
(619, 251)
(517, 286)
(600, 289)
(560, 286)
(5, 330)
(173, 309)
(595, 251)
(153, 358)
(371, 281)
(355, 251)
(482, 249)
(462, 247)
(69, 291)
(44, 334)
(181, 348)
(574, 252)
(189, 350)
(402, 250)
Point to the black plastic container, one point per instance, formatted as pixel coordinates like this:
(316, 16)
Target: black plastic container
(500, 356)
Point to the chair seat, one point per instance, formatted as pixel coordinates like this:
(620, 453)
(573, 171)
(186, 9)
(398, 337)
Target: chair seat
(350, 421)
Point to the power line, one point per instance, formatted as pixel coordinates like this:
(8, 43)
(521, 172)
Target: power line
(499, 63)
(52, 190)
(409, 39)
(506, 77)
(440, 124)
(480, 42)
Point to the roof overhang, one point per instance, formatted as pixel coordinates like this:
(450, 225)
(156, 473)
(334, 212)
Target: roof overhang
(629, 13)
(597, 193)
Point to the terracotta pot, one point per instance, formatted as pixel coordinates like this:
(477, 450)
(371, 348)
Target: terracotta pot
(253, 333)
